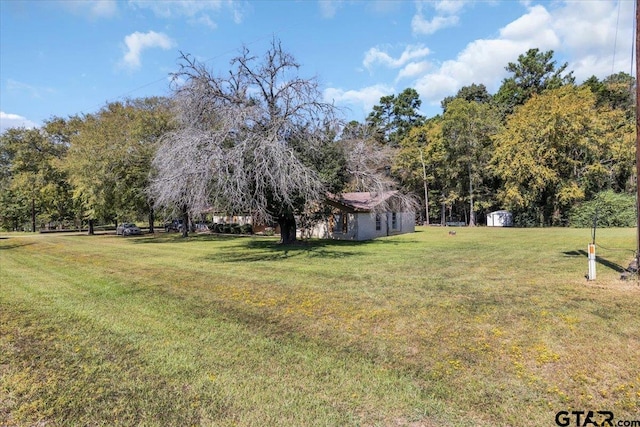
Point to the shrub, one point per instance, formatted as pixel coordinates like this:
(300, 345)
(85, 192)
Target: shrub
(612, 210)
(269, 231)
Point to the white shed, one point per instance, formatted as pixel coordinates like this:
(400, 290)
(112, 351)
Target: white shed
(500, 219)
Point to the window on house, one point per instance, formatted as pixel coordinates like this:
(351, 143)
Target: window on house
(340, 223)
(394, 221)
(378, 222)
(337, 223)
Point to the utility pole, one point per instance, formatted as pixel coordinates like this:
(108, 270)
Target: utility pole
(638, 134)
(426, 188)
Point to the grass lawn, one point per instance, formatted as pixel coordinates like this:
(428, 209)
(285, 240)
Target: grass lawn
(490, 327)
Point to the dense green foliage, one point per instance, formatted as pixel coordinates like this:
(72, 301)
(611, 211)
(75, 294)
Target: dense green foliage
(606, 209)
(34, 187)
(541, 146)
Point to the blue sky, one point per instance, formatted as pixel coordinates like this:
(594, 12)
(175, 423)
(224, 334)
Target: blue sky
(61, 58)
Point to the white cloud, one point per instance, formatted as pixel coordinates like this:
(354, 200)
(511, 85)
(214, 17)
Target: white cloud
(104, 8)
(419, 25)
(8, 120)
(173, 8)
(446, 16)
(92, 8)
(450, 7)
(483, 61)
(597, 36)
(206, 21)
(411, 52)
(137, 42)
(414, 69)
(360, 101)
(193, 9)
(537, 20)
(328, 8)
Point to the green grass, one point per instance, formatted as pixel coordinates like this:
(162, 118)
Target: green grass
(487, 327)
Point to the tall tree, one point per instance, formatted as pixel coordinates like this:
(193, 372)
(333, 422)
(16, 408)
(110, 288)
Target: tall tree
(467, 128)
(236, 147)
(617, 91)
(394, 116)
(109, 159)
(148, 120)
(534, 73)
(558, 148)
(90, 165)
(31, 175)
(474, 92)
(420, 160)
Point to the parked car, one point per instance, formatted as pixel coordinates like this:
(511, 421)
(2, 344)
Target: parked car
(201, 227)
(174, 225)
(128, 229)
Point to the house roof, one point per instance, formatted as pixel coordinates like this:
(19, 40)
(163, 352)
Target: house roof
(360, 201)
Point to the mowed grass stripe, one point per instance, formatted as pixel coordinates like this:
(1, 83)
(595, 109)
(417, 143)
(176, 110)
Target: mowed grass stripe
(258, 371)
(494, 326)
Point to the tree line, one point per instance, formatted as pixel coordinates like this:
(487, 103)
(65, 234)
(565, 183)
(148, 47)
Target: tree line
(260, 140)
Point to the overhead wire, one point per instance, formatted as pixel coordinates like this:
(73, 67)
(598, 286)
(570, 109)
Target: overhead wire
(615, 40)
(129, 92)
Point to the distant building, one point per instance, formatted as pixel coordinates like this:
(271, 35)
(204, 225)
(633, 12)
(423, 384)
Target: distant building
(357, 216)
(500, 219)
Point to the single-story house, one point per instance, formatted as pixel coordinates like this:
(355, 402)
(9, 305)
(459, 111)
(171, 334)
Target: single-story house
(361, 216)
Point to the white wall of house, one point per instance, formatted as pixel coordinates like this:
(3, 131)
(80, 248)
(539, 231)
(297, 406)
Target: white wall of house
(407, 221)
(361, 226)
(344, 226)
(319, 230)
(369, 227)
(232, 219)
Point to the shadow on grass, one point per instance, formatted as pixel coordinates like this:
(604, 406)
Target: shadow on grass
(603, 261)
(271, 250)
(14, 245)
(258, 248)
(177, 238)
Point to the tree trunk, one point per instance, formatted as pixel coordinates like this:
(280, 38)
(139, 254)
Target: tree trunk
(151, 221)
(472, 214)
(33, 215)
(426, 202)
(426, 188)
(185, 221)
(91, 232)
(287, 223)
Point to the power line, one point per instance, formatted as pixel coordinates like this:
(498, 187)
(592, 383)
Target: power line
(615, 40)
(126, 94)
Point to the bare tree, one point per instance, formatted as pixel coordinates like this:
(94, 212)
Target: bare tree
(235, 148)
(368, 167)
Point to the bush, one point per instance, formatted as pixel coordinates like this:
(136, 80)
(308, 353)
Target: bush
(527, 218)
(269, 231)
(613, 210)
